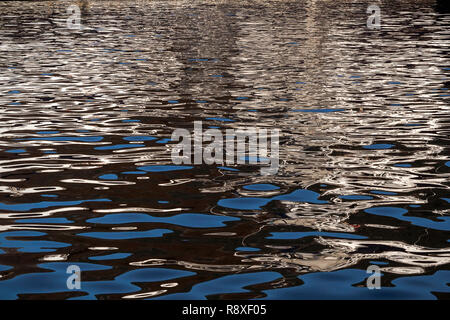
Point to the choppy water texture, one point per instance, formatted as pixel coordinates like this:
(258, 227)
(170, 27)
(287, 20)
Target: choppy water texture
(86, 176)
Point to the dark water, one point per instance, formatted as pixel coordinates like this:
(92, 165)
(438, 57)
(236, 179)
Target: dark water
(86, 176)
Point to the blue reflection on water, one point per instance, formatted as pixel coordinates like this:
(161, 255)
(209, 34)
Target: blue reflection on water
(16, 150)
(45, 220)
(165, 140)
(228, 169)
(379, 146)
(67, 138)
(29, 245)
(403, 165)
(56, 281)
(318, 110)
(388, 193)
(139, 138)
(124, 283)
(44, 204)
(250, 249)
(227, 284)
(156, 168)
(247, 203)
(220, 119)
(134, 172)
(120, 146)
(154, 274)
(113, 256)
(261, 187)
(341, 285)
(109, 176)
(381, 263)
(399, 213)
(193, 220)
(47, 132)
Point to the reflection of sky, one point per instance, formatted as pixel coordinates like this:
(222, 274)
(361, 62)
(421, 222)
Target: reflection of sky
(363, 155)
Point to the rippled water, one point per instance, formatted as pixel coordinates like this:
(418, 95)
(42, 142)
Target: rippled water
(86, 176)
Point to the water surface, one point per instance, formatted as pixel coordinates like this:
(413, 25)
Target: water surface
(86, 177)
